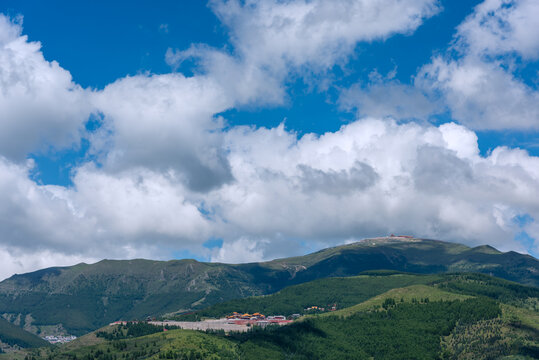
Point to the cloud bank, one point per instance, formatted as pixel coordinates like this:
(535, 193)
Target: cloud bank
(167, 173)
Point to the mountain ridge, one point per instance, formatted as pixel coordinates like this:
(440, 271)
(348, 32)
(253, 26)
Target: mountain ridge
(84, 297)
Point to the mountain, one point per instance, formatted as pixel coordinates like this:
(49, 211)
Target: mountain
(84, 297)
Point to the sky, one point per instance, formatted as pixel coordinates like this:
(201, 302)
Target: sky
(237, 131)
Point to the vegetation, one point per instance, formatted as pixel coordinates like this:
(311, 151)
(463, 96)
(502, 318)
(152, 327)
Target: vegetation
(15, 336)
(173, 344)
(410, 294)
(132, 330)
(495, 288)
(455, 316)
(491, 339)
(86, 297)
(404, 331)
(382, 314)
(343, 292)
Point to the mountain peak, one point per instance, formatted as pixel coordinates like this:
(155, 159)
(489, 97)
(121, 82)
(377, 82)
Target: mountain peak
(389, 239)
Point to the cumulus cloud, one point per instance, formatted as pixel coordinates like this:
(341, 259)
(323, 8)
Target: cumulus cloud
(17, 262)
(137, 213)
(430, 181)
(475, 79)
(136, 206)
(388, 97)
(316, 33)
(173, 115)
(497, 27)
(170, 174)
(33, 216)
(40, 105)
(369, 178)
(360, 176)
(242, 250)
(479, 86)
(482, 95)
(273, 38)
(164, 123)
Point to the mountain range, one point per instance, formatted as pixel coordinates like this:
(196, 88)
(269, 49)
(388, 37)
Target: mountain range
(84, 297)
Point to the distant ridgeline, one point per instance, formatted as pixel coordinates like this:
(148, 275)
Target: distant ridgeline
(82, 298)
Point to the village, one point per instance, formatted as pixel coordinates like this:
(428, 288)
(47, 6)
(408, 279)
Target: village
(59, 339)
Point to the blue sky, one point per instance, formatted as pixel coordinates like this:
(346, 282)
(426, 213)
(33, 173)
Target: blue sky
(136, 38)
(234, 131)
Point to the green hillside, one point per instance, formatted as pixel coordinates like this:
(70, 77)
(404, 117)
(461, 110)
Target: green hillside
(13, 336)
(405, 331)
(409, 294)
(341, 291)
(373, 286)
(428, 320)
(84, 297)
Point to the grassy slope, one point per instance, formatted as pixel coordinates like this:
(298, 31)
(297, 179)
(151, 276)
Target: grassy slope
(13, 335)
(416, 328)
(527, 317)
(354, 290)
(407, 294)
(186, 343)
(89, 339)
(86, 297)
(407, 330)
(294, 299)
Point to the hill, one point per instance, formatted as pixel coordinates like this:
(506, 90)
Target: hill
(339, 291)
(12, 336)
(420, 321)
(372, 288)
(84, 297)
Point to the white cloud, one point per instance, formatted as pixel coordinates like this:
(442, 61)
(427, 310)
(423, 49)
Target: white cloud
(372, 177)
(164, 123)
(317, 34)
(482, 95)
(480, 87)
(498, 27)
(40, 106)
(243, 82)
(475, 79)
(243, 250)
(273, 38)
(138, 205)
(173, 115)
(387, 97)
(171, 174)
(428, 181)
(134, 213)
(32, 216)
(18, 262)
(460, 140)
